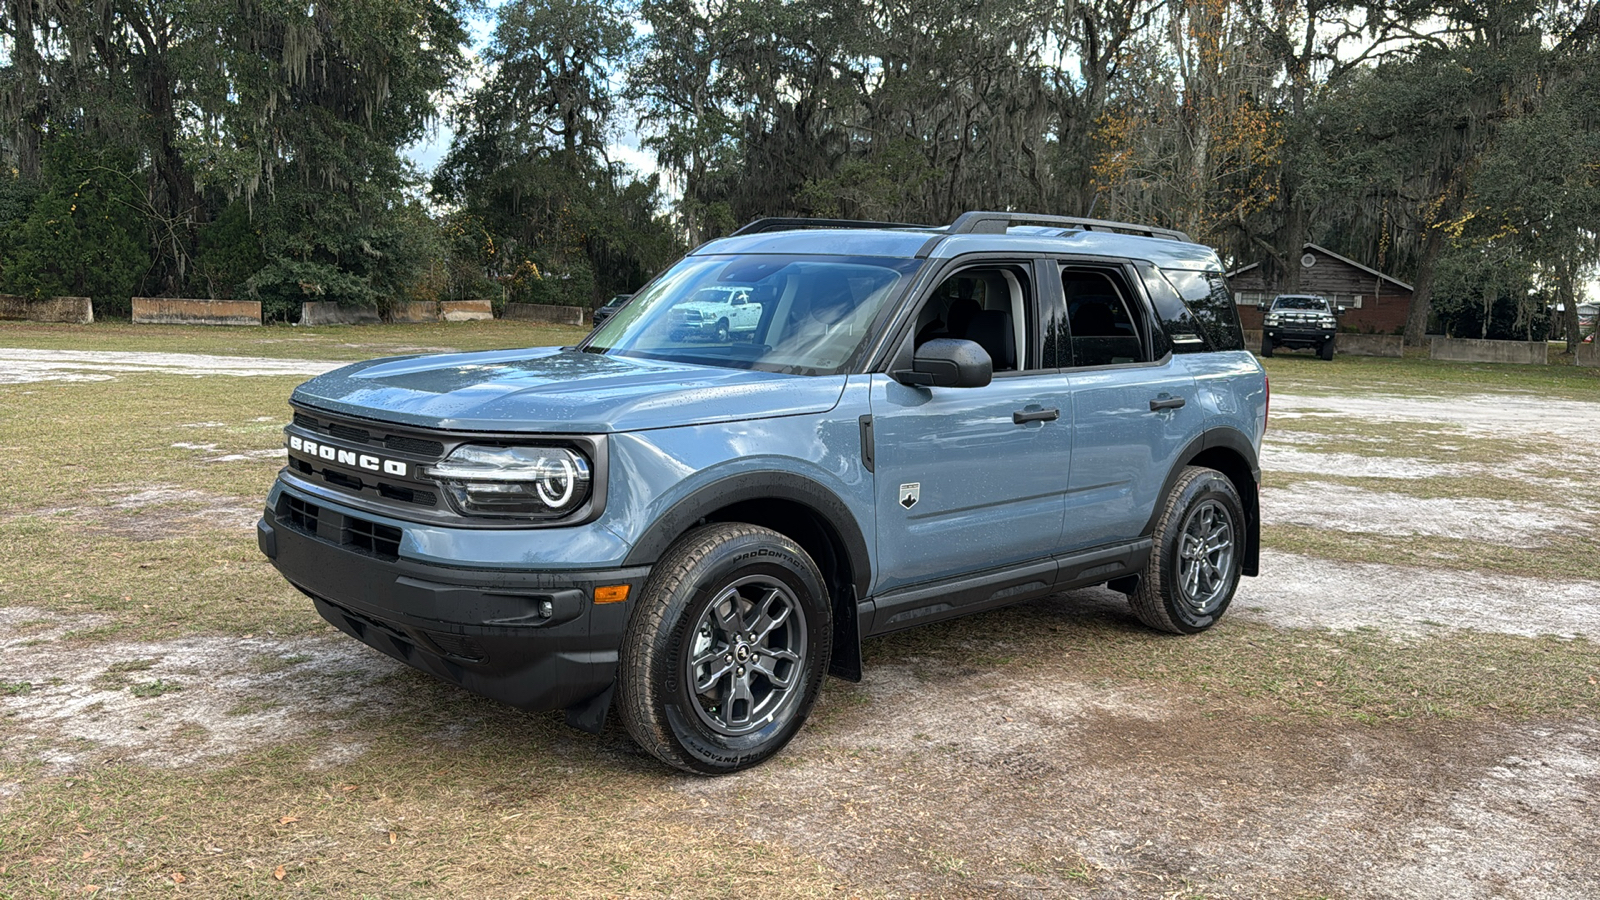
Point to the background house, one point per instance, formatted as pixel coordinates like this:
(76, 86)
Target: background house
(1375, 302)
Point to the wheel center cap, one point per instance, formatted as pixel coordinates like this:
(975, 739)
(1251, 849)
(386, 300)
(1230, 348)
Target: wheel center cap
(742, 653)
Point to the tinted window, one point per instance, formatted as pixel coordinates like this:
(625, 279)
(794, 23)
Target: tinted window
(1102, 318)
(1207, 296)
(1178, 322)
(1316, 303)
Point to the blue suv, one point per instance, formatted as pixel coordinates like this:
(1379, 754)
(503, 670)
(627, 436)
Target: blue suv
(921, 423)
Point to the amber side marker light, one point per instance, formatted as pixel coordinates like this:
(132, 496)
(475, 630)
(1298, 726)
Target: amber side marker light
(611, 593)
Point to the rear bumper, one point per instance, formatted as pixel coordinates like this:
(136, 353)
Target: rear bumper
(534, 640)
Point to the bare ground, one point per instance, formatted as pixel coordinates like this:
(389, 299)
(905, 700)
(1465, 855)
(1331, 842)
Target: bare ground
(19, 366)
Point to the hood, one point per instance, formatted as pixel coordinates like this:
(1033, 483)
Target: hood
(551, 390)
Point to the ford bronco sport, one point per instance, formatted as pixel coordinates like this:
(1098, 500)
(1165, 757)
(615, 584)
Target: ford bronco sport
(922, 423)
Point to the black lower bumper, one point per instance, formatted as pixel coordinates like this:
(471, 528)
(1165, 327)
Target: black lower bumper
(1294, 337)
(534, 640)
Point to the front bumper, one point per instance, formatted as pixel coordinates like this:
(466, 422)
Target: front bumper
(1297, 334)
(531, 639)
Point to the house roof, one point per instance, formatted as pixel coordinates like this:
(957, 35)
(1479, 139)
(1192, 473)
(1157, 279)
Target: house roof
(1341, 258)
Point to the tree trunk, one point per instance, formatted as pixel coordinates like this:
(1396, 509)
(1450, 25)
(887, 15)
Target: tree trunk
(29, 108)
(1568, 295)
(1422, 296)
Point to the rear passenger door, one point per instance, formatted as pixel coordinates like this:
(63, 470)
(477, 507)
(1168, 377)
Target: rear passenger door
(1134, 402)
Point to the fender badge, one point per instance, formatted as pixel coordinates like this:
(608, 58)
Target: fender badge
(910, 493)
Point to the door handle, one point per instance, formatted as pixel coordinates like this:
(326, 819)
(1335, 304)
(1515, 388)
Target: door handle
(1024, 416)
(1160, 403)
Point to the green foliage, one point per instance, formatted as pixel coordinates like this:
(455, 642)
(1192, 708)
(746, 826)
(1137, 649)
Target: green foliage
(257, 144)
(84, 234)
(263, 138)
(229, 254)
(543, 213)
(283, 284)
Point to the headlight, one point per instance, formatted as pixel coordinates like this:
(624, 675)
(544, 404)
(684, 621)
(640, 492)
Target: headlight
(523, 482)
(1271, 319)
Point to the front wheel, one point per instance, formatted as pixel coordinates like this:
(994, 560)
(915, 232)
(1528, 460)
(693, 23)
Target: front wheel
(1195, 564)
(1266, 346)
(726, 652)
(1326, 350)
(722, 331)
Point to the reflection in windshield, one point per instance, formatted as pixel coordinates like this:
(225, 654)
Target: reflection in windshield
(801, 314)
(1300, 303)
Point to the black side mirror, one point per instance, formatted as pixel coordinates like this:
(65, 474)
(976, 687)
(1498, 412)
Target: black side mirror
(947, 362)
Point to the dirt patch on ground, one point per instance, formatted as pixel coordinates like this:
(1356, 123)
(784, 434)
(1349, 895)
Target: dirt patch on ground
(1307, 592)
(174, 703)
(28, 366)
(984, 787)
(213, 453)
(1345, 508)
(1484, 414)
(1277, 458)
(155, 512)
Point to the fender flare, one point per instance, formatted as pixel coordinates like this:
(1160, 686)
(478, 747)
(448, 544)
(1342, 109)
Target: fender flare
(1232, 439)
(709, 498)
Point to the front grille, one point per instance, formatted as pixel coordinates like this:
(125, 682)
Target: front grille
(364, 535)
(333, 476)
(356, 435)
(457, 645)
(432, 449)
(409, 490)
(300, 514)
(408, 495)
(379, 540)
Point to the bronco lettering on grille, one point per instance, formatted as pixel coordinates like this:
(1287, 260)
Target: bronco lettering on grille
(352, 458)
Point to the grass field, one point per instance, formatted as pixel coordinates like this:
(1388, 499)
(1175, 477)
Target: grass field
(176, 719)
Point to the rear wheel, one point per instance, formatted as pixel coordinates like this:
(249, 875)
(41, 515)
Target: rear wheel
(1266, 346)
(1195, 564)
(1326, 352)
(724, 656)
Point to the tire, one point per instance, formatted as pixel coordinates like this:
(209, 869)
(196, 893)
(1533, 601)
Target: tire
(710, 593)
(1326, 351)
(1186, 587)
(722, 331)
(1266, 346)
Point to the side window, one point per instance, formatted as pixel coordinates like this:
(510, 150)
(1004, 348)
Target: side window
(1208, 297)
(1178, 323)
(1104, 320)
(993, 306)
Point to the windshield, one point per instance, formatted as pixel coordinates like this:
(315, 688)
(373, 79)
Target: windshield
(804, 315)
(1300, 303)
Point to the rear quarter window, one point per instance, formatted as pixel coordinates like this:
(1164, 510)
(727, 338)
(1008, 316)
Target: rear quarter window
(1208, 298)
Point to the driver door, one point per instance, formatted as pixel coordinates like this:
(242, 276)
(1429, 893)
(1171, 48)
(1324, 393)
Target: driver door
(971, 479)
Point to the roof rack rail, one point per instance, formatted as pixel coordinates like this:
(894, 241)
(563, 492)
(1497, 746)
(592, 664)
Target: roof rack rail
(998, 222)
(781, 223)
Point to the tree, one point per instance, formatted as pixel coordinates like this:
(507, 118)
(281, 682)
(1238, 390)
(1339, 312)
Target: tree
(528, 165)
(219, 101)
(79, 237)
